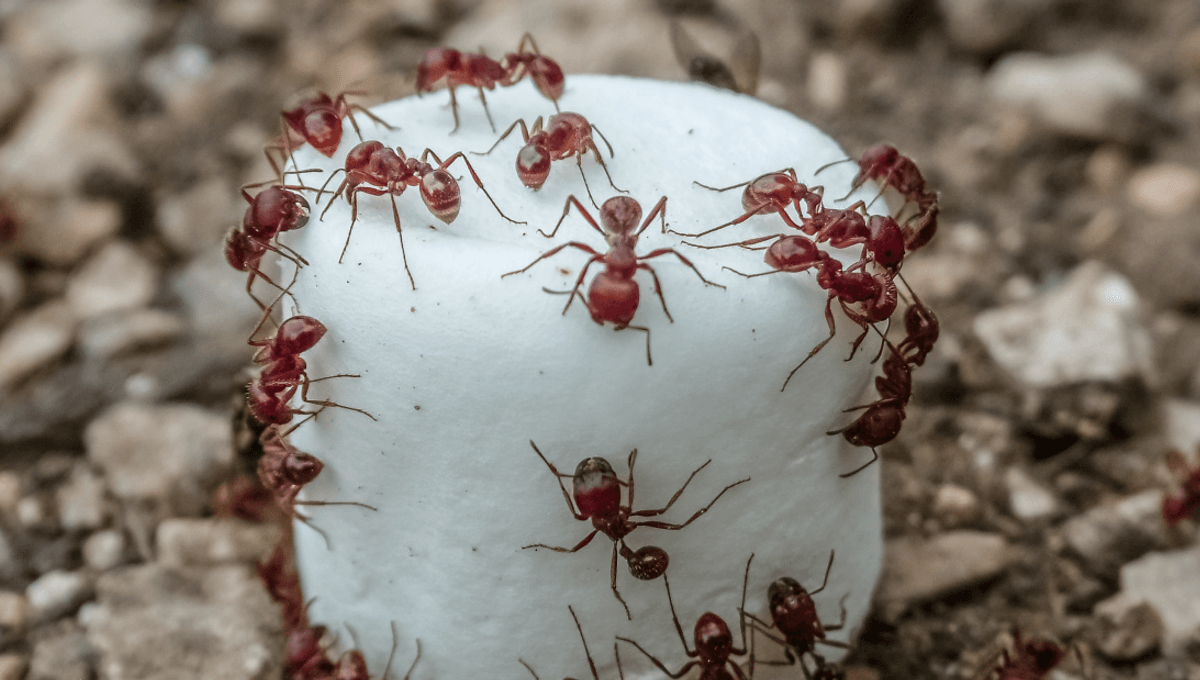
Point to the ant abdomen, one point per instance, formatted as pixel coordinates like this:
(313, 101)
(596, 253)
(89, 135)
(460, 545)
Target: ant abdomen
(648, 563)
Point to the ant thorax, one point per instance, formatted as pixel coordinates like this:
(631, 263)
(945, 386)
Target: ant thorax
(481, 313)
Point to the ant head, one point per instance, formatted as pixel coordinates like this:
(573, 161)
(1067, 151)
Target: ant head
(301, 468)
(620, 215)
(648, 563)
(297, 334)
(783, 588)
(437, 63)
(713, 640)
(242, 252)
(596, 488)
(547, 76)
(533, 164)
(441, 194)
(920, 320)
(303, 645)
(1045, 654)
(878, 158)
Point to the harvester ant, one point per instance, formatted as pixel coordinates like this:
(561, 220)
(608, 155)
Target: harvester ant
(546, 74)
(613, 295)
(374, 169)
(774, 191)
(712, 638)
(317, 121)
(271, 212)
(794, 615)
(890, 168)
(597, 493)
(566, 135)
(1176, 508)
(881, 420)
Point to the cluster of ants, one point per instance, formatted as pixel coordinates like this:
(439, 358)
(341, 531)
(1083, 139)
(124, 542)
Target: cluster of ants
(865, 291)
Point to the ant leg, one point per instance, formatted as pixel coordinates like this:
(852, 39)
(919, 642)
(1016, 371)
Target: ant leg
(855, 471)
(323, 402)
(830, 165)
(478, 182)
(586, 186)
(483, 100)
(407, 674)
(603, 165)
(364, 110)
(841, 623)
(353, 200)
(553, 251)
(735, 186)
(826, 580)
(524, 134)
(400, 233)
(341, 187)
(558, 475)
(591, 663)
(658, 292)
(629, 464)
(582, 544)
(613, 577)
(738, 220)
(361, 505)
(675, 617)
(666, 525)
(528, 668)
(820, 345)
(655, 513)
(579, 281)
(582, 211)
(610, 151)
(649, 361)
(744, 244)
(660, 209)
(682, 671)
(751, 276)
(307, 522)
(663, 251)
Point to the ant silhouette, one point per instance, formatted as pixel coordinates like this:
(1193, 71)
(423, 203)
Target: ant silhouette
(613, 295)
(597, 494)
(712, 638)
(567, 134)
(374, 169)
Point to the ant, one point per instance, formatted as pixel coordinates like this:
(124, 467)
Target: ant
(922, 331)
(545, 73)
(374, 169)
(881, 420)
(591, 663)
(888, 166)
(704, 67)
(460, 68)
(597, 493)
(794, 615)
(271, 212)
(1032, 659)
(774, 191)
(282, 582)
(1175, 508)
(566, 135)
(712, 638)
(613, 295)
(317, 121)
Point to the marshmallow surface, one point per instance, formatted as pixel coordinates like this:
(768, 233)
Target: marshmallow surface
(463, 372)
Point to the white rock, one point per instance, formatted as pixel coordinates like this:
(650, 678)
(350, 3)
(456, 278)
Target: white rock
(30, 512)
(56, 593)
(1168, 581)
(116, 278)
(35, 340)
(1027, 498)
(104, 550)
(458, 496)
(827, 81)
(81, 503)
(186, 542)
(1080, 95)
(1165, 189)
(61, 651)
(1086, 329)
(122, 332)
(956, 501)
(171, 454)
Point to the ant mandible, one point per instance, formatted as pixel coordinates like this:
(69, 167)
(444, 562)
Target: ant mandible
(546, 74)
(794, 615)
(712, 638)
(374, 169)
(597, 493)
(460, 68)
(317, 121)
(774, 191)
(567, 134)
(613, 295)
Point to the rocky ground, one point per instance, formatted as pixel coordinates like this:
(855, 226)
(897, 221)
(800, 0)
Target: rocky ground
(1025, 489)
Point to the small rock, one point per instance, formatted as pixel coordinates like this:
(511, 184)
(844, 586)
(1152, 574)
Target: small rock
(14, 615)
(1112, 534)
(1027, 498)
(63, 234)
(1084, 95)
(10, 492)
(116, 278)
(869, 19)
(104, 550)
(1107, 168)
(1085, 330)
(233, 629)
(1127, 629)
(35, 340)
(81, 500)
(196, 221)
(61, 653)
(205, 542)
(1168, 581)
(173, 455)
(12, 666)
(119, 333)
(44, 32)
(956, 502)
(983, 26)
(1165, 189)
(57, 594)
(827, 81)
(12, 287)
(1182, 425)
(214, 295)
(31, 513)
(917, 569)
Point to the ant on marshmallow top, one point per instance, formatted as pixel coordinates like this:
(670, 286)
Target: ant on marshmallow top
(317, 121)
(597, 493)
(566, 134)
(613, 295)
(374, 169)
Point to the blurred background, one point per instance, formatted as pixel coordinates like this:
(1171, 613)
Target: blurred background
(1025, 489)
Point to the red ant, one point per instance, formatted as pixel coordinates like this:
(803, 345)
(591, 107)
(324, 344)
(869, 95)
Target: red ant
(374, 169)
(774, 191)
(1032, 659)
(713, 641)
(597, 492)
(566, 135)
(460, 68)
(546, 74)
(279, 576)
(922, 331)
(1176, 508)
(591, 663)
(613, 295)
(890, 168)
(794, 615)
(881, 420)
(318, 121)
(271, 212)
